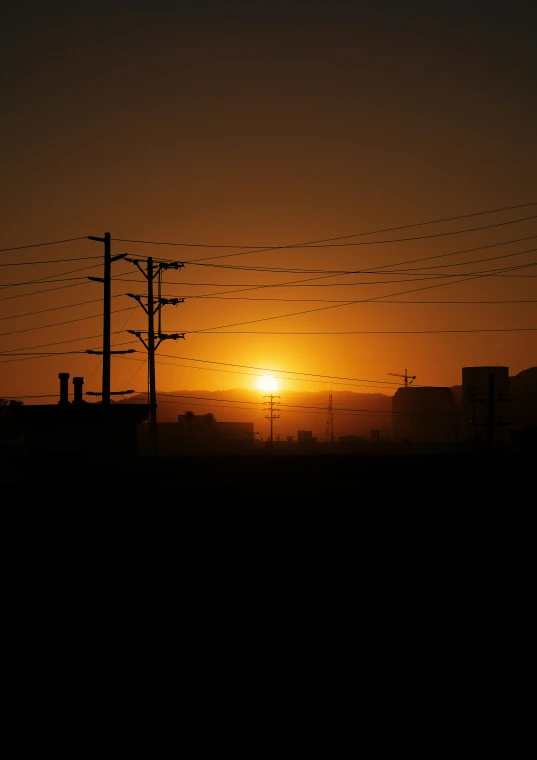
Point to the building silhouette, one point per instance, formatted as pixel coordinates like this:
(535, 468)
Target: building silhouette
(200, 433)
(77, 428)
(425, 415)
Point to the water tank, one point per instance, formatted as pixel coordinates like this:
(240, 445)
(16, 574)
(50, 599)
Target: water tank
(424, 414)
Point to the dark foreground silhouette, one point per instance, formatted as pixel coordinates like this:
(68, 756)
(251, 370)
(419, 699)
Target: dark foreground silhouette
(364, 480)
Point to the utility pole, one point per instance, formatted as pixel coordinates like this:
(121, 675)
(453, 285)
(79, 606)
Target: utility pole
(330, 424)
(491, 402)
(107, 310)
(151, 356)
(271, 416)
(409, 379)
(107, 317)
(490, 411)
(150, 344)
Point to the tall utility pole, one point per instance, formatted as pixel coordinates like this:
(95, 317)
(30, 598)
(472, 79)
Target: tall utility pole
(151, 355)
(330, 423)
(107, 310)
(271, 416)
(151, 346)
(107, 317)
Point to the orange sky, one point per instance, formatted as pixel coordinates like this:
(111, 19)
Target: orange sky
(266, 128)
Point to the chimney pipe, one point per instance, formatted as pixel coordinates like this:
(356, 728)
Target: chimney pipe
(78, 382)
(64, 387)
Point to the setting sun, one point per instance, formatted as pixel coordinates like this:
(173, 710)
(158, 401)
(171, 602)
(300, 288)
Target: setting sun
(267, 383)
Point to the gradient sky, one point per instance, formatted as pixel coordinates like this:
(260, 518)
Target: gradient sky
(266, 124)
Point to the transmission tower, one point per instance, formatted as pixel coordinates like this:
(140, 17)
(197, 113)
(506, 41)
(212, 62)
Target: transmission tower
(152, 343)
(330, 421)
(271, 416)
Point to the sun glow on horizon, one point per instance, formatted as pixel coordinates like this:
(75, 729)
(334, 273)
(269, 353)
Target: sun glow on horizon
(267, 383)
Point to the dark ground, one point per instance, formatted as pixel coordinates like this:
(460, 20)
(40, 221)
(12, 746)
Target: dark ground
(361, 480)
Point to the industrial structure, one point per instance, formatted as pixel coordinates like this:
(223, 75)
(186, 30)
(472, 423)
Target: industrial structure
(78, 428)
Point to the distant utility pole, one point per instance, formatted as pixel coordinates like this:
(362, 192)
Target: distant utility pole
(271, 416)
(107, 308)
(330, 423)
(150, 344)
(409, 379)
(491, 402)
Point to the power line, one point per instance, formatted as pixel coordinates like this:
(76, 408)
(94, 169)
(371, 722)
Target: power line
(47, 280)
(304, 406)
(50, 277)
(365, 332)
(22, 358)
(58, 324)
(41, 395)
(47, 290)
(336, 300)
(216, 405)
(41, 353)
(48, 261)
(39, 245)
(375, 298)
(243, 286)
(416, 270)
(340, 237)
(69, 340)
(334, 380)
(252, 374)
(375, 270)
(286, 371)
(57, 308)
(143, 363)
(307, 281)
(369, 242)
(432, 235)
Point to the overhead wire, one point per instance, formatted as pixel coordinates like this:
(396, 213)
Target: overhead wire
(69, 340)
(40, 245)
(253, 374)
(345, 300)
(306, 282)
(50, 278)
(57, 308)
(304, 406)
(287, 372)
(370, 332)
(47, 290)
(320, 243)
(58, 324)
(48, 261)
(375, 269)
(326, 240)
(336, 306)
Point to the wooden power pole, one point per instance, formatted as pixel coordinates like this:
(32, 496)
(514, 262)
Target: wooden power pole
(152, 342)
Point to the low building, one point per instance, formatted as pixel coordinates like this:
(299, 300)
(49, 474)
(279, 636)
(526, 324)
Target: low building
(305, 437)
(200, 433)
(77, 428)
